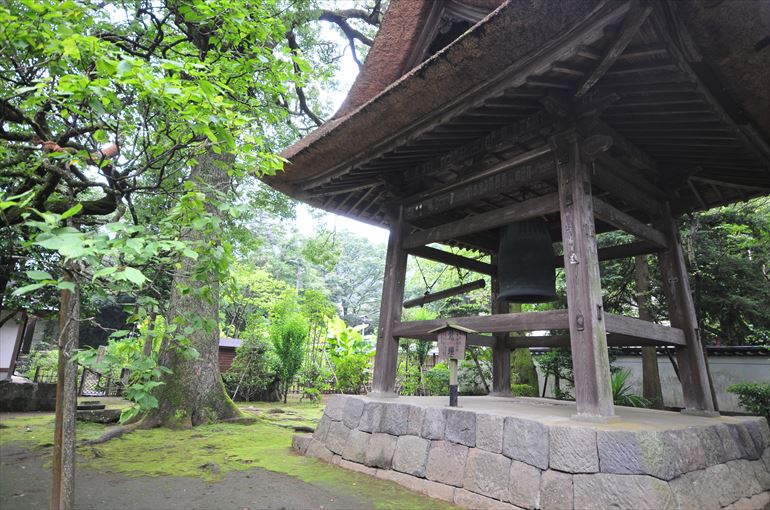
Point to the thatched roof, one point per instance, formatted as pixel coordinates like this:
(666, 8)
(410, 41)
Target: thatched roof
(700, 67)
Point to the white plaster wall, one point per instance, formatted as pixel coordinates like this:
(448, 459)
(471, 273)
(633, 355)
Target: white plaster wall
(8, 333)
(725, 371)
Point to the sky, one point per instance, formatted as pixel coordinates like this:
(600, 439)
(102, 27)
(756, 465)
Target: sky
(306, 224)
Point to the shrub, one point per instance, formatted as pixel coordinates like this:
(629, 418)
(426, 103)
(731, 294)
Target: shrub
(523, 390)
(754, 397)
(437, 380)
(621, 390)
(351, 372)
(252, 376)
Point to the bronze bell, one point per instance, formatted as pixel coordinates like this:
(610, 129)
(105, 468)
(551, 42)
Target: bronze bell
(525, 263)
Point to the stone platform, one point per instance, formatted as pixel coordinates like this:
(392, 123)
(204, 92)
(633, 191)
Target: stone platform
(513, 453)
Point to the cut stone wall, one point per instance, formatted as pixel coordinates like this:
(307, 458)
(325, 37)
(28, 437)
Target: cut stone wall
(478, 460)
(27, 396)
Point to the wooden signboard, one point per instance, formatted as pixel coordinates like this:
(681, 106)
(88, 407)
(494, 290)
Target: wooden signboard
(451, 344)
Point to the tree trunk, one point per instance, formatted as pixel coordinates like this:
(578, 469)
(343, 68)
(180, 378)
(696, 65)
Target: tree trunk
(193, 393)
(63, 468)
(651, 389)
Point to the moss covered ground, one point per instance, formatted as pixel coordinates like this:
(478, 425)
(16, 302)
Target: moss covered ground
(210, 451)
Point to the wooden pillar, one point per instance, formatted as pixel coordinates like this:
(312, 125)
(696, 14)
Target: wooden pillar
(501, 353)
(588, 336)
(681, 312)
(386, 357)
(651, 389)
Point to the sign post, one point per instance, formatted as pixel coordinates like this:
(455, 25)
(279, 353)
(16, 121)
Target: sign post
(451, 348)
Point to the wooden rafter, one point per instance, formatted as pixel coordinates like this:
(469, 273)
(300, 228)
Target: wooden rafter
(631, 23)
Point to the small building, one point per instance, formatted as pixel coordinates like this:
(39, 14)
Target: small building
(227, 347)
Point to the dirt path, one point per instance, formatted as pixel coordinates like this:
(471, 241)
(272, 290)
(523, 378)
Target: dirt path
(25, 484)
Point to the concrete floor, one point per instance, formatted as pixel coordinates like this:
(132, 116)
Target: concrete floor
(551, 411)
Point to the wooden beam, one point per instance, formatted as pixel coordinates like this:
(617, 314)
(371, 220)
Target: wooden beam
(613, 340)
(470, 339)
(386, 357)
(638, 328)
(451, 259)
(443, 294)
(485, 221)
(631, 23)
(501, 323)
(503, 177)
(620, 251)
(627, 223)
(617, 186)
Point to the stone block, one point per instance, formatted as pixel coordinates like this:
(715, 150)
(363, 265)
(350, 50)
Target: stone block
(395, 418)
(336, 459)
(524, 485)
(360, 468)
(335, 405)
(757, 429)
(300, 442)
(467, 499)
(758, 502)
(555, 490)
(686, 446)
(487, 473)
(747, 483)
(356, 446)
(730, 448)
(713, 448)
(762, 474)
(322, 429)
(380, 451)
(526, 441)
(411, 455)
(573, 450)
(371, 417)
(641, 452)
(434, 423)
(319, 451)
(690, 494)
(426, 487)
(337, 437)
(489, 432)
(719, 483)
(414, 422)
(639, 492)
(743, 439)
(446, 463)
(352, 411)
(766, 458)
(460, 427)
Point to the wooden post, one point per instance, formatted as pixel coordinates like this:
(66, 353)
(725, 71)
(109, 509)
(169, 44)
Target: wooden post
(501, 353)
(588, 336)
(386, 357)
(63, 468)
(651, 389)
(681, 311)
(453, 383)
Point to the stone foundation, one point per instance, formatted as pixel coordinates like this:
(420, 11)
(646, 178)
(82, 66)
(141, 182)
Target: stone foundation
(528, 453)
